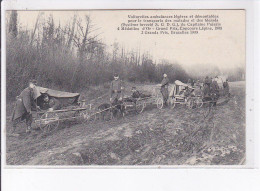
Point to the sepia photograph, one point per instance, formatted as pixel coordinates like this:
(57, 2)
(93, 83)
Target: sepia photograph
(125, 88)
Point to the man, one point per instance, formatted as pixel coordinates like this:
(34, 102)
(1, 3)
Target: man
(164, 88)
(214, 86)
(226, 88)
(207, 81)
(50, 103)
(25, 103)
(215, 91)
(135, 93)
(207, 84)
(192, 83)
(116, 93)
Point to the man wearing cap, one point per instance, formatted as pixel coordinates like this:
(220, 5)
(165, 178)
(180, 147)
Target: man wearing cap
(116, 90)
(25, 103)
(164, 88)
(226, 88)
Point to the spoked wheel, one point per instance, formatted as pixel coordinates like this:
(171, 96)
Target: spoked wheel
(48, 122)
(82, 116)
(140, 105)
(159, 103)
(199, 102)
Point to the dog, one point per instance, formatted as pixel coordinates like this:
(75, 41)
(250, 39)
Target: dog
(113, 110)
(104, 109)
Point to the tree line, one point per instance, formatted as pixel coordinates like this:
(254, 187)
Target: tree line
(73, 57)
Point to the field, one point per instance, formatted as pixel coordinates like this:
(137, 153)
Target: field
(178, 136)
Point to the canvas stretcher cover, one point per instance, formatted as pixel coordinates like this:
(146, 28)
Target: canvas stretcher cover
(65, 98)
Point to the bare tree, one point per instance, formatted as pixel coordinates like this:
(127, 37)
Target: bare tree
(13, 24)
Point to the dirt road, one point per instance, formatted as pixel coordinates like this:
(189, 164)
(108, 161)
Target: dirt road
(176, 136)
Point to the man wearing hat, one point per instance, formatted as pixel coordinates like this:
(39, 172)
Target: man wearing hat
(116, 94)
(25, 103)
(226, 88)
(164, 88)
(116, 89)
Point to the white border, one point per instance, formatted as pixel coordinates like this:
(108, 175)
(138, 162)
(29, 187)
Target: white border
(21, 176)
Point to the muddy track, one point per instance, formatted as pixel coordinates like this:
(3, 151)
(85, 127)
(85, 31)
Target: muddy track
(155, 137)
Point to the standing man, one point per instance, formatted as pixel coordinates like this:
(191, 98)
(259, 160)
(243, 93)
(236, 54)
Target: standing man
(215, 91)
(116, 91)
(226, 88)
(25, 103)
(207, 84)
(164, 88)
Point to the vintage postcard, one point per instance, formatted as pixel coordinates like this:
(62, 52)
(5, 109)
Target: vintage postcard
(127, 88)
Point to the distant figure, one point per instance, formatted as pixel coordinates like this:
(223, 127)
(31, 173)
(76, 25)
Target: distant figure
(164, 88)
(207, 81)
(25, 103)
(214, 91)
(50, 103)
(214, 86)
(226, 88)
(192, 83)
(198, 84)
(206, 89)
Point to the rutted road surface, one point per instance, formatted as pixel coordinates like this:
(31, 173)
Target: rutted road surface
(176, 136)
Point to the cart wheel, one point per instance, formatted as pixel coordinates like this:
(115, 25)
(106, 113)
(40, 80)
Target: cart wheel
(199, 102)
(190, 103)
(140, 106)
(159, 103)
(37, 121)
(82, 116)
(49, 122)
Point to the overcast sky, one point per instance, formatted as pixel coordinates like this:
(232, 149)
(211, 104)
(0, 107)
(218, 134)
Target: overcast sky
(224, 48)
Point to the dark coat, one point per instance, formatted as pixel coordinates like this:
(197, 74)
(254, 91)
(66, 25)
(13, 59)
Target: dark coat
(116, 89)
(226, 88)
(164, 88)
(165, 83)
(214, 87)
(25, 103)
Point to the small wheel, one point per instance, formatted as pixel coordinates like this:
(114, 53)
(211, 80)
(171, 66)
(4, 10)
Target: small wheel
(81, 116)
(140, 106)
(159, 103)
(49, 122)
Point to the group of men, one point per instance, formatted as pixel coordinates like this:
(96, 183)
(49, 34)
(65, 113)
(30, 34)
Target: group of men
(211, 85)
(26, 102)
(117, 90)
(210, 88)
